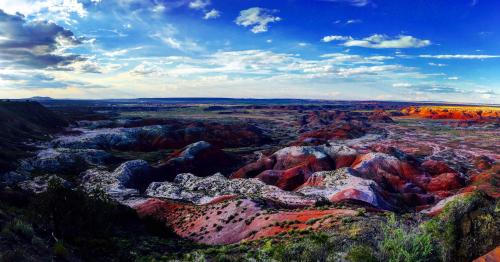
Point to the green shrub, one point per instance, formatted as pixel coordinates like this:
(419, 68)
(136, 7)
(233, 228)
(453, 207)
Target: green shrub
(72, 214)
(18, 227)
(360, 212)
(361, 254)
(12, 256)
(313, 248)
(404, 243)
(312, 221)
(60, 250)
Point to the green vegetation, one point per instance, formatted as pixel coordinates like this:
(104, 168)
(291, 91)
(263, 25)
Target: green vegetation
(406, 243)
(17, 228)
(313, 247)
(360, 253)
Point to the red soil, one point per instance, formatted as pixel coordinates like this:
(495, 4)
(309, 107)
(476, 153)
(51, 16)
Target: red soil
(492, 256)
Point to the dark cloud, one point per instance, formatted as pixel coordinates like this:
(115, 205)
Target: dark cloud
(34, 44)
(24, 80)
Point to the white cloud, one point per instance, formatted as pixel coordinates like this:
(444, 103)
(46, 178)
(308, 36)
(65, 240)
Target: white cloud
(302, 44)
(120, 52)
(453, 78)
(258, 18)
(345, 72)
(353, 21)
(159, 8)
(51, 10)
(267, 64)
(212, 14)
(460, 56)
(183, 45)
(429, 88)
(169, 36)
(383, 41)
(485, 93)
(339, 58)
(172, 42)
(379, 41)
(331, 38)
(358, 3)
(269, 41)
(199, 4)
(405, 85)
(437, 64)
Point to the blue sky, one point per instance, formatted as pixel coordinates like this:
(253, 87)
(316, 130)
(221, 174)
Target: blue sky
(328, 49)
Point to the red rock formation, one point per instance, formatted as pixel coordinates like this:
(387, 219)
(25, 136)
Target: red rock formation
(454, 112)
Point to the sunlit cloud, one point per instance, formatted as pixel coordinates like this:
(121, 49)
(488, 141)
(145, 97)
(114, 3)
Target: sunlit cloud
(257, 18)
(380, 41)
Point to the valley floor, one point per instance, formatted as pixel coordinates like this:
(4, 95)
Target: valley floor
(150, 181)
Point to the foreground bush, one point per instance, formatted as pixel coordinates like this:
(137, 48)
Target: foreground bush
(405, 243)
(467, 228)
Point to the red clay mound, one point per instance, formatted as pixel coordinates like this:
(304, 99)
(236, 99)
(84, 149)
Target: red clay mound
(200, 158)
(232, 221)
(294, 177)
(380, 116)
(435, 168)
(290, 167)
(445, 182)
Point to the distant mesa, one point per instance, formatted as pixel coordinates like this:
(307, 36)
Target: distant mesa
(40, 98)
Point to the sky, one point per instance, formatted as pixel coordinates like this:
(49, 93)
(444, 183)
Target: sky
(406, 50)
